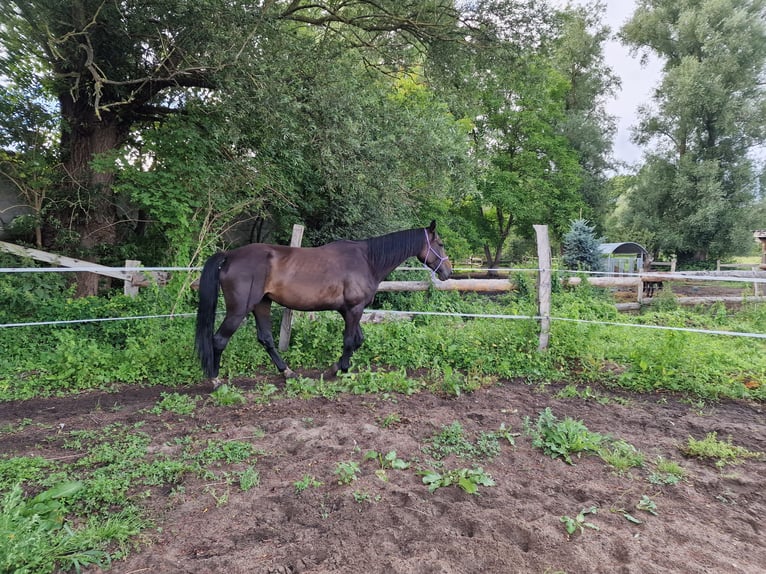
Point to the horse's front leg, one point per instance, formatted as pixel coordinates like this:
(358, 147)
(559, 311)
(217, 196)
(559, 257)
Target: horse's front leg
(352, 339)
(262, 313)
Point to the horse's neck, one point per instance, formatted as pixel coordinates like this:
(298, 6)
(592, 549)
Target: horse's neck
(386, 260)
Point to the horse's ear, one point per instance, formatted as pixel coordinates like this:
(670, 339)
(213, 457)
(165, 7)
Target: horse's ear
(432, 227)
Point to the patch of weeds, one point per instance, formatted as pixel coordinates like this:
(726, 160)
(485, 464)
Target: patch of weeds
(227, 452)
(227, 396)
(346, 471)
(21, 469)
(249, 478)
(579, 522)
(667, 472)
(469, 479)
(11, 428)
(389, 421)
(453, 382)
(572, 392)
(452, 440)
(306, 482)
(266, 393)
(175, 403)
(562, 438)
(221, 498)
(621, 456)
(723, 452)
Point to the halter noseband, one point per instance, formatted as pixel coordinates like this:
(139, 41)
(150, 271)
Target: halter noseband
(441, 259)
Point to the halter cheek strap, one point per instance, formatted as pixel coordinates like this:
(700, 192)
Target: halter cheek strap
(441, 258)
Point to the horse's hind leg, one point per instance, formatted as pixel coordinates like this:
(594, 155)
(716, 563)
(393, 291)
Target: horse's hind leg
(230, 324)
(262, 313)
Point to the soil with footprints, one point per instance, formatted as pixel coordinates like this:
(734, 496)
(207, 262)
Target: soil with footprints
(387, 521)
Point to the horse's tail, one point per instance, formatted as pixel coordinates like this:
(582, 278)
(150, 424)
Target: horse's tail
(208, 301)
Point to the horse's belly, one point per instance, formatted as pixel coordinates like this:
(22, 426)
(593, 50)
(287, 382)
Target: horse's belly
(317, 295)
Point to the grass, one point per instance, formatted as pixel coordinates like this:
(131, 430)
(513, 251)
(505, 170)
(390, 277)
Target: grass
(84, 509)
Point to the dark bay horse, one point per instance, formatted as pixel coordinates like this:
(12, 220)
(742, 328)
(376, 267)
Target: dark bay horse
(342, 276)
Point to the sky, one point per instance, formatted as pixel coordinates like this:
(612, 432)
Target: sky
(638, 81)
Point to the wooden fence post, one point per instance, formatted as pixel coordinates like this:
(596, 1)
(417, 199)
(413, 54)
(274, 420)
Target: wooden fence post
(543, 284)
(128, 288)
(287, 314)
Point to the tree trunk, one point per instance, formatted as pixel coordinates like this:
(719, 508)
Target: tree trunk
(90, 209)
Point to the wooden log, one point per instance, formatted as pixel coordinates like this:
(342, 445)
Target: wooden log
(605, 281)
(479, 285)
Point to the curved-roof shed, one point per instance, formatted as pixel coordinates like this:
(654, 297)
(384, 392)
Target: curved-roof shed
(623, 248)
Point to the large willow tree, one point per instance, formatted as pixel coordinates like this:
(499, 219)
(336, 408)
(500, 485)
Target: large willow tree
(708, 114)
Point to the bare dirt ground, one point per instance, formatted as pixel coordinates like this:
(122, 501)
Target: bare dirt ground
(713, 521)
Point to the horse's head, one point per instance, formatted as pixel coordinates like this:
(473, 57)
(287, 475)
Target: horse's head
(433, 254)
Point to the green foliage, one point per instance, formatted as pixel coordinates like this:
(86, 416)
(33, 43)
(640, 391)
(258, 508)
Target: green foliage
(452, 440)
(562, 438)
(35, 538)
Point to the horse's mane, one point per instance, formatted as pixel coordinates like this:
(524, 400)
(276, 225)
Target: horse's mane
(388, 251)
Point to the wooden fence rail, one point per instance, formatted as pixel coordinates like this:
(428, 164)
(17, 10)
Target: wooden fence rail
(133, 279)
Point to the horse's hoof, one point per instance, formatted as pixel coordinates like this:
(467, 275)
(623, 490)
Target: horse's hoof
(216, 383)
(288, 373)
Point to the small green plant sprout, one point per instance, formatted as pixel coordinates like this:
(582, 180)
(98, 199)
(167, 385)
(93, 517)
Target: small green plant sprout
(468, 479)
(361, 497)
(346, 471)
(307, 481)
(667, 472)
(647, 505)
(621, 456)
(175, 403)
(388, 460)
(562, 438)
(227, 396)
(723, 452)
(627, 516)
(572, 525)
